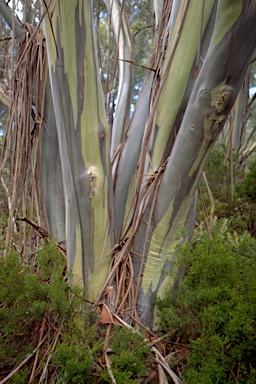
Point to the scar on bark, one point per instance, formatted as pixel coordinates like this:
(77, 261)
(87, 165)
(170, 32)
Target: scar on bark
(223, 100)
(218, 124)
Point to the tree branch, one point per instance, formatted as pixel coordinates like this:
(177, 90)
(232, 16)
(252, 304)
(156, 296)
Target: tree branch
(7, 14)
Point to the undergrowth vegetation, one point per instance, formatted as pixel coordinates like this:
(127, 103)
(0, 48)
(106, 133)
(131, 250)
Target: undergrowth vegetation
(233, 190)
(48, 328)
(213, 311)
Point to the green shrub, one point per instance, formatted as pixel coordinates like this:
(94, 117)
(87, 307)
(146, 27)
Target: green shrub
(23, 303)
(240, 209)
(75, 360)
(33, 296)
(28, 295)
(247, 187)
(131, 355)
(52, 266)
(214, 308)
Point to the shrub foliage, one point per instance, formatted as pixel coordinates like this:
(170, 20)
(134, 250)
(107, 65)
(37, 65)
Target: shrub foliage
(41, 316)
(213, 310)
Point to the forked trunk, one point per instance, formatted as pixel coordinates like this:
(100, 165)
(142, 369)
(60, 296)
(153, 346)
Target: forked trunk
(122, 220)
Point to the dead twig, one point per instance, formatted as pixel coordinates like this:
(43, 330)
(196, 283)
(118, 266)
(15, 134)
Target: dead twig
(37, 352)
(107, 359)
(161, 360)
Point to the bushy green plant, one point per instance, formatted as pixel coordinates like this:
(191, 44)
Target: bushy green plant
(219, 174)
(22, 299)
(214, 308)
(240, 208)
(130, 356)
(33, 295)
(52, 265)
(28, 295)
(76, 352)
(247, 187)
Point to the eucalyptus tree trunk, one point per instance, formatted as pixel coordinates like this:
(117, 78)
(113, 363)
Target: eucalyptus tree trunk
(211, 99)
(51, 173)
(83, 140)
(191, 108)
(123, 218)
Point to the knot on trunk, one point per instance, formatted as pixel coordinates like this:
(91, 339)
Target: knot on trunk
(221, 98)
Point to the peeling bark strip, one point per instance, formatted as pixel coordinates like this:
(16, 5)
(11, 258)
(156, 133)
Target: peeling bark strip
(212, 98)
(84, 149)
